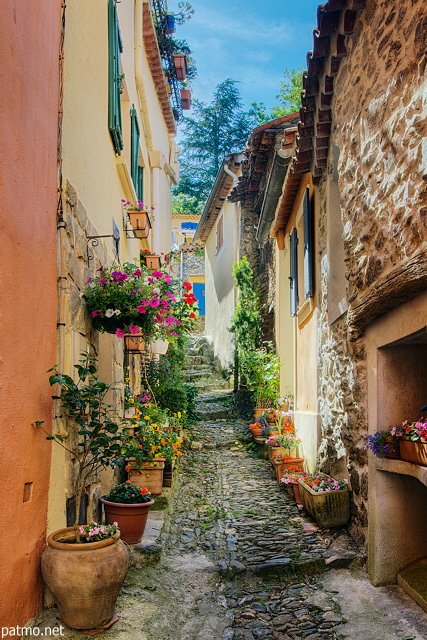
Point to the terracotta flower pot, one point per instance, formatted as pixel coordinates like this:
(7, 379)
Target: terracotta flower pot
(134, 343)
(148, 473)
(415, 452)
(131, 518)
(140, 222)
(256, 432)
(84, 579)
(281, 466)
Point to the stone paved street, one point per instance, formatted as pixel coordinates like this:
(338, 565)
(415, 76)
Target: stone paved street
(237, 564)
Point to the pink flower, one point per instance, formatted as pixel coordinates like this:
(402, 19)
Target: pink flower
(137, 273)
(95, 313)
(133, 329)
(120, 333)
(141, 309)
(157, 274)
(155, 302)
(167, 279)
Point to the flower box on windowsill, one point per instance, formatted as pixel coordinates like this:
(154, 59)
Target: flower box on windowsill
(140, 222)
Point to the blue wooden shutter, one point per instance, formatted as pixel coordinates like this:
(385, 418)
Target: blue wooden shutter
(293, 278)
(134, 147)
(115, 79)
(308, 246)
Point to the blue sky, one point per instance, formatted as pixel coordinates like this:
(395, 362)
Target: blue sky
(251, 41)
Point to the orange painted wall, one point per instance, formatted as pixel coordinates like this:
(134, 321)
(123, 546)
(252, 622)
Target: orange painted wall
(29, 46)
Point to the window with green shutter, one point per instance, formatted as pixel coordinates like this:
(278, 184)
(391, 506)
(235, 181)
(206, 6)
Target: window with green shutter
(115, 78)
(140, 183)
(134, 147)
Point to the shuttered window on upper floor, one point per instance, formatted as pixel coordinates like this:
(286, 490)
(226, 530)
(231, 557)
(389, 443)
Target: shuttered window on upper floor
(308, 245)
(115, 77)
(293, 278)
(134, 147)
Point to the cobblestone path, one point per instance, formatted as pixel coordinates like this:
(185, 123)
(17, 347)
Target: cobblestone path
(236, 562)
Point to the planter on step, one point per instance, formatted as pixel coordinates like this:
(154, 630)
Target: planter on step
(280, 466)
(131, 518)
(329, 508)
(148, 473)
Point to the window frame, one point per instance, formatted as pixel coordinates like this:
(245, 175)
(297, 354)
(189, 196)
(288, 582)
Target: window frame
(115, 78)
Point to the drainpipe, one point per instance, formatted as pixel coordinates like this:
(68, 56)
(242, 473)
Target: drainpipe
(230, 173)
(139, 54)
(155, 202)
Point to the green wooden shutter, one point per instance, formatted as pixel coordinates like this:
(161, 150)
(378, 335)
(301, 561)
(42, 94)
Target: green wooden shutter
(115, 78)
(134, 146)
(308, 246)
(293, 278)
(140, 184)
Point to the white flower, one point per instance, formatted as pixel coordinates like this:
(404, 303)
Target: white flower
(117, 312)
(109, 313)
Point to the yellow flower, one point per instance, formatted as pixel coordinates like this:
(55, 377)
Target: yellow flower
(131, 400)
(146, 417)
(127, 379)
(179, 414)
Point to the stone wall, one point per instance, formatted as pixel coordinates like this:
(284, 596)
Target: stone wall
(380, 119)
(193, 261)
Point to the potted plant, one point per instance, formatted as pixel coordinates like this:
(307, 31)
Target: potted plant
(413, 444)
(384, 443)
(138, 217)
(134, 300)
(148, 448)
(290, 478)
(85, 572)
(261, 368)
(327, 500)
(127, 506)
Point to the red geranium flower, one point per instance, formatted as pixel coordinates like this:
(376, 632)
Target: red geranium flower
(187, 286)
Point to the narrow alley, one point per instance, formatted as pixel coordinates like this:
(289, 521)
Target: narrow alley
(231, 557)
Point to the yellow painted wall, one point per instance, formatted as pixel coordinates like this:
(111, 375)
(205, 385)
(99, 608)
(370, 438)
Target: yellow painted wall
(101, 180)
(297, 340)
(220, 292)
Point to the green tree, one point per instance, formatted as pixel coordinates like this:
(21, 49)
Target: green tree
(289, 99)
(182, 203)
(215, 130)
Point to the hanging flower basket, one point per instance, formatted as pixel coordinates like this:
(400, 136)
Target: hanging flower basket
(152, 261)
(134, 343)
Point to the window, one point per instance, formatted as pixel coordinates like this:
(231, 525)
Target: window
(140, 184)
(293, 278)
(134, 149)
(115, 78)
(308, 245)
(219, 234)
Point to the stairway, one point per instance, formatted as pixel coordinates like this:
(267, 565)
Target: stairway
(203, 371)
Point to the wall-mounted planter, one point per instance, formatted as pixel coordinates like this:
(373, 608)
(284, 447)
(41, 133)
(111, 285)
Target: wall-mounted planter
(152, 262)
(159, 346)
(186, 98)
(140, 222)
(134, 343)
(180, 62)
(148, 473)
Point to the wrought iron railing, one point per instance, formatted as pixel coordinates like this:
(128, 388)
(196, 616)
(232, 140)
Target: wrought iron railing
(166, 52)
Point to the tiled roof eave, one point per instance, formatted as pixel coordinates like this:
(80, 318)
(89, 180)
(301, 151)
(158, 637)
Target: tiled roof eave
(335, 22)
(156, 68)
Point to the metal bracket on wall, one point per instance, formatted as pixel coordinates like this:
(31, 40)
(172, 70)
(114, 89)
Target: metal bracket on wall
(94, 242)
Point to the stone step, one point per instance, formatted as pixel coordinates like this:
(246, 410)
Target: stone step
(212, 386)
(215, 396)
(211, 411)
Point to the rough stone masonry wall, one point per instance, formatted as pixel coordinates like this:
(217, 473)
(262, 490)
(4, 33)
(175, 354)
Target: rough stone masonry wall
(380, 112)
(76, 328)
(379, 117)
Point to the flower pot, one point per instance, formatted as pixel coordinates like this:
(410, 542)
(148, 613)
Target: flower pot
(134, 343)
(180, 62)
(185, 98)
(152, 262)
(296, 492)
(140, 222)
(256, 432)
(393, 448)
(84, 579)
(131, 518)
(148, 473)
(415, 452)
(329, 508)
(159, 346)
(281, 466)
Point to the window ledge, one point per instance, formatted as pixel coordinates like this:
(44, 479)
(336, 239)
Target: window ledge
(402, 467)
(305, 310)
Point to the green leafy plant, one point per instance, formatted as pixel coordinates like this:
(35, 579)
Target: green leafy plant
(127, 493)
(99, 442)
(261, 369)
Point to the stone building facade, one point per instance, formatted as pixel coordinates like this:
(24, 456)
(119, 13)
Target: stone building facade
(361, 142)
